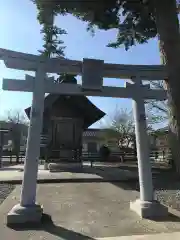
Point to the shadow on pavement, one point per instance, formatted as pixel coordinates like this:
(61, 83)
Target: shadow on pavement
(161, 177)
(172, 217)
(47, 225)
(11, 169)
(161, 182)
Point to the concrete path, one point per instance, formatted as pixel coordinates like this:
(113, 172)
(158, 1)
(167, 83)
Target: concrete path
(161, 236)
(87, 211)
(14, 174)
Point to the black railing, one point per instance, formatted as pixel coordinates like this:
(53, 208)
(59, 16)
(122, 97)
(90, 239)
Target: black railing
(115, 156)
(122, 156)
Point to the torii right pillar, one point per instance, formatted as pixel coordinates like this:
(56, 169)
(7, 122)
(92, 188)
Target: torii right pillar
(146, 206)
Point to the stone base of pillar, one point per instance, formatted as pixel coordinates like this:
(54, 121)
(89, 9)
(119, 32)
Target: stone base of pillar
(58, 167)
(23, 215)
(149, 210)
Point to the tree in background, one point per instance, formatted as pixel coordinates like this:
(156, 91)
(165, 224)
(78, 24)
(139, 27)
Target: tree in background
(54, 47)
(18, 126)
(120, 127)
(16, 116)
(159, 107)
(156, 108)
(136, 22)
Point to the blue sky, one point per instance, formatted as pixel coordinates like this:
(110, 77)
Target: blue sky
(20, 31)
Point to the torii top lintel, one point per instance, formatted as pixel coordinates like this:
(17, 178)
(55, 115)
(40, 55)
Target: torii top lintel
(30, 62)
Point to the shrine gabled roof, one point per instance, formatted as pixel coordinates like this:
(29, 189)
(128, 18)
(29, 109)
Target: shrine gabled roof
(89, 112)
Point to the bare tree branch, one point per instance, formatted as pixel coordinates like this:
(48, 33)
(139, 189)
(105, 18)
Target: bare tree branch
(16, 117)
(159, 107)
(122, 128)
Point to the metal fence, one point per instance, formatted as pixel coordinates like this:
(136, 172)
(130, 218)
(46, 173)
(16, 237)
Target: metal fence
(123, 156)
(115, 156)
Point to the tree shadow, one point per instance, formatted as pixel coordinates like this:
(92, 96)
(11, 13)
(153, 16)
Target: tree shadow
(105, 174)
(47, 225)
(155, 169)
(160, 183)
(163, 179)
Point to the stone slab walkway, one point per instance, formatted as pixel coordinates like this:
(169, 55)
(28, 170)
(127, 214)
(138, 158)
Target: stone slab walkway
(14, 174)
(86, 211)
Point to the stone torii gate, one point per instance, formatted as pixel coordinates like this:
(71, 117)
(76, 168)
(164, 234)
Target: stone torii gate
(92, 72)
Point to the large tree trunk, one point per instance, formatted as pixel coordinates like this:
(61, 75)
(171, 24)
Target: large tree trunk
(172, 140)
(168, 29)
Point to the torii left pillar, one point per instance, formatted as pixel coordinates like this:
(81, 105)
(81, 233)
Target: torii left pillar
(27, 210)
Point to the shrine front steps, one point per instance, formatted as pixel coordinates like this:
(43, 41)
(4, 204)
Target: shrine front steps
(63, 166)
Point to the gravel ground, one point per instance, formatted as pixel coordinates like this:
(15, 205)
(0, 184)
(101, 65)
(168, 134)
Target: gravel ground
(5, 190)
(166, 186)
(168, 193)
(166, 189)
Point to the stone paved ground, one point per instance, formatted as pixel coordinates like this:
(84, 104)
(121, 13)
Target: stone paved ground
(159, 236)
(15, 173)
(85, 211)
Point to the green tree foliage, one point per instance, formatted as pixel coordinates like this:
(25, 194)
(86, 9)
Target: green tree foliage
(52, 46)
(134, 20)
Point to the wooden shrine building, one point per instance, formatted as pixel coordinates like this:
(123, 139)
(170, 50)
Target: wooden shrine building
(64, 120)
